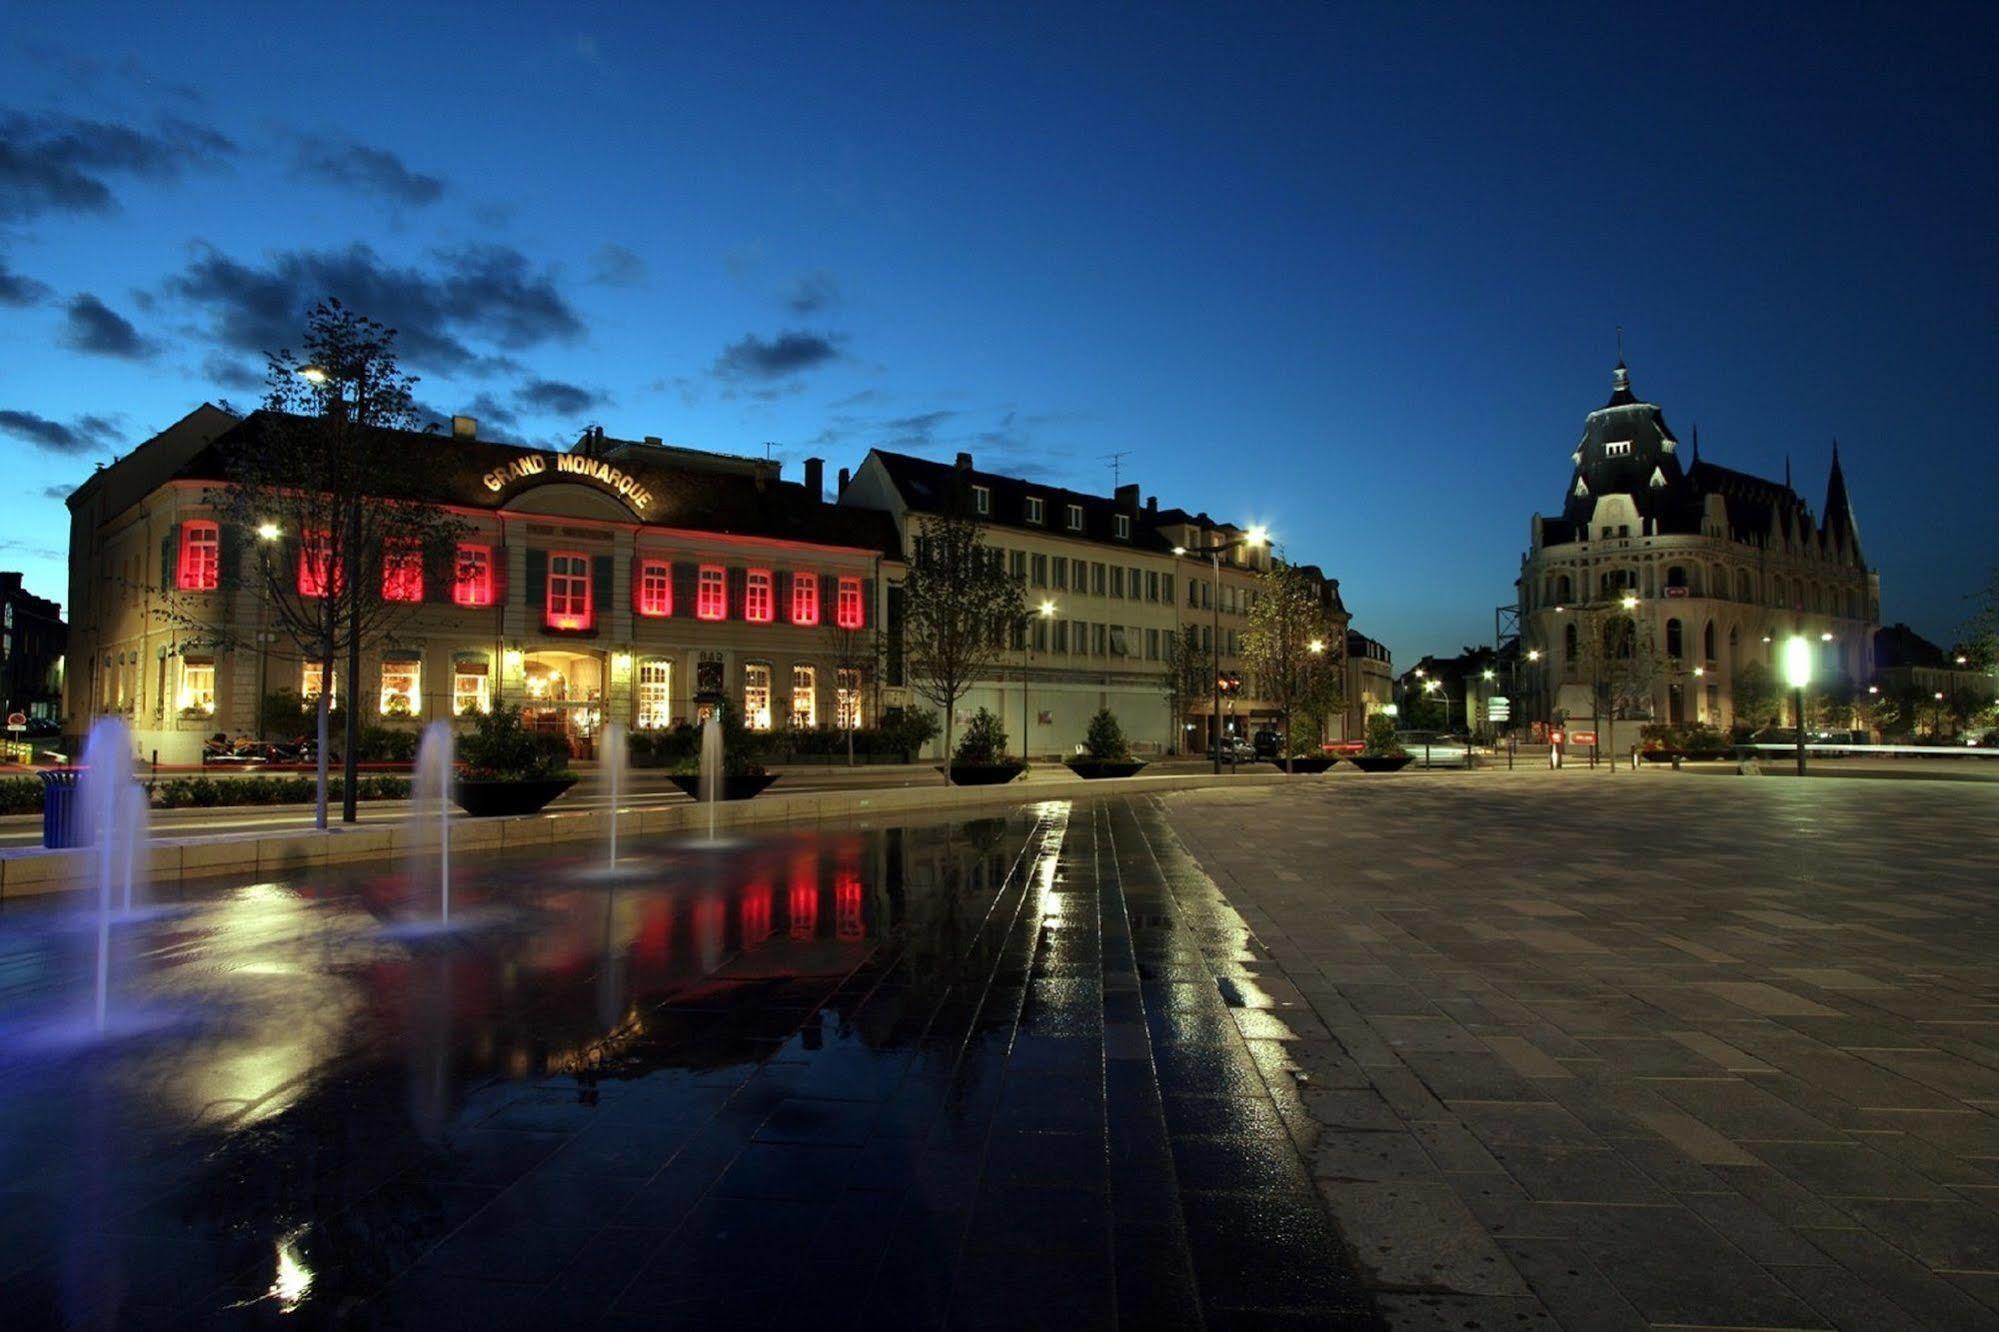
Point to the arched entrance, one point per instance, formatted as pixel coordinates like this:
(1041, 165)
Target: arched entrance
(564, 695)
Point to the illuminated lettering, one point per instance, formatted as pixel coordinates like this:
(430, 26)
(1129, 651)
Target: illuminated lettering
(532, 465)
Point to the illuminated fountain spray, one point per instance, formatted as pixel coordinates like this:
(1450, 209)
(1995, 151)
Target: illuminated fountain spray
(113, 807)
(430, 804)
(711, 768)
(616, 762)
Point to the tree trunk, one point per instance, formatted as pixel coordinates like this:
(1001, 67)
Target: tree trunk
(950, 719)
(850, 735)
(350, 760)
(321, 707)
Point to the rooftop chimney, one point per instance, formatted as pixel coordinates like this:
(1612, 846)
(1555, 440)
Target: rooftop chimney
(464, 427)
(1151, 504)
(1127, 498)
(964, 462)
(653, 440)
(845, 477)
(815, 479)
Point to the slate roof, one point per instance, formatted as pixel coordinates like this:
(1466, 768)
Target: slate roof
(927, 487)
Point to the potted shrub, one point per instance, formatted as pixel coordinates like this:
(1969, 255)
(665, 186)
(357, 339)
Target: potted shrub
(507, 768)
(1660, 742)
(1383, 752)
(1308, 761)
(1106, 753)
(743, 773)
(982, 759)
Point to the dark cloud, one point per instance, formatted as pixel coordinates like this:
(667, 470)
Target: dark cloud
(365, 170)
(92, 326)
(486, 408)
(812, 293)
(17, 289)
(82, 435)
(753, 357)
(616, 266)
(486, 292)
(58, 163)
(226, 371)
(57, 492)
(555, 398)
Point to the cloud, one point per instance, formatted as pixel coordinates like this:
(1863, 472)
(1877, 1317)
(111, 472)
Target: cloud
(365, 170)
(80, 436)
(92, 326)
(487, 293)
(17, 289)
(752, 357)
(555, 398)
(616, 266)
(486, 408)
(58, 163)
(812, 293)
(57, 492)
(225, 371)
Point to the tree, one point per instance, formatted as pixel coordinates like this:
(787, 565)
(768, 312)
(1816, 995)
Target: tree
(958, 602)
(1617, 660)
(344, 508)
(1188, 678)
(1286, 617)
(1755, 695)
(856, 655)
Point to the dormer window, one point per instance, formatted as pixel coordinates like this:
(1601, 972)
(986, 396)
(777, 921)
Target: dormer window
(1034, 508)
(982, 499)
(1617, 448)
(1124, 527)
(1075, 517)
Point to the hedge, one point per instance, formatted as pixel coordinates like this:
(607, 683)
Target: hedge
(23, 795)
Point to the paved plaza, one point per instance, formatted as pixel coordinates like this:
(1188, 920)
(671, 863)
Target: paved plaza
(1617, 1050)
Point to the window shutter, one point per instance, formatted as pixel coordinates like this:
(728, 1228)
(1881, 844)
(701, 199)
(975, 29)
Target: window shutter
(780, 589)
(228, 554)
(637, 566)
(867, 602)
(736, 581)
(537, 585)
(684, 571)
(440, 569)
(499, 575)
(169, 557)
(601, 583)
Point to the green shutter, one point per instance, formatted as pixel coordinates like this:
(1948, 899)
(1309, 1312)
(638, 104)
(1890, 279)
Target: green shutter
(169, 556)
(867, 602)
(228, 557)
(602, 569)
(736, 582)
(686, 573)
(537, 585)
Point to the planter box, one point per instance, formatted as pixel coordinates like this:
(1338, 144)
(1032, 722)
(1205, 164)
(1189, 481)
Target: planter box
(984, 774)
(1382, 762)
(489, 799)
(1095, 768)
(733, 788)
(1302, 763)
(1661, 755)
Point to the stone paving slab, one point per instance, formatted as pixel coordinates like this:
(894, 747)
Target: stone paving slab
(1602, 1052)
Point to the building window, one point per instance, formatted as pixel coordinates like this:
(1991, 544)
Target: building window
(757, 600)
(847, 699)
(1016, 563)
(315, 564)
(1097, 579)
(197, 685)
(1569, 641)
(805, 598)
(1675, 639)
(1034, 508)
(852, 614)
(200, 562)
(655, 589)
(756, 696)
(804, 696)
(568, 604)
(310, 676)
(655, 694)
(471, 688)
(1124, 527)
(1166, 588)
(711, 598)
(1061, 573)
(400, 682)
(402, 571)
(1041, 571)
(1075, 516)
(472, 578)
(1617, 448)
(982, 499)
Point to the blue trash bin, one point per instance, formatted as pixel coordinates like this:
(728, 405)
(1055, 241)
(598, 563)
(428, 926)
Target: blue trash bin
(61, 825)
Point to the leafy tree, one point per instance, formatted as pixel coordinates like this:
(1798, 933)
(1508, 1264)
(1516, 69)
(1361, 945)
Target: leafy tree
(1188, 678)
(1382, 741)
(1423, 711)
(958, 603)
(1287, 615)
(1617, 661)
(984, 740)
(857, 652)
(1104, 740)
(1757, 699)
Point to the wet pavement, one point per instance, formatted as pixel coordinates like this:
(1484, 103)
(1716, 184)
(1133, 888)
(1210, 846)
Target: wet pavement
(1026, 1071)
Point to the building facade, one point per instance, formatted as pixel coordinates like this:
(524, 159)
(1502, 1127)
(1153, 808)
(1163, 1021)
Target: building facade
(1370, 682)
(1701, 571)
(620, 580)
(33, 641)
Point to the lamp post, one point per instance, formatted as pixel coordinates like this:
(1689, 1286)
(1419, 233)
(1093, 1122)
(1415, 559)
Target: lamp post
(1798, 674)
(1045, 611)
(1255, 536)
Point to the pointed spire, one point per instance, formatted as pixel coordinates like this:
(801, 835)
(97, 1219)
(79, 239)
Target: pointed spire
(1697, 443)
(1787, 473)
(1839, 519)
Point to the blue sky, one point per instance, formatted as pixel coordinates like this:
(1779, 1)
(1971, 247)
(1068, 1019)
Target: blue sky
(1353, 273)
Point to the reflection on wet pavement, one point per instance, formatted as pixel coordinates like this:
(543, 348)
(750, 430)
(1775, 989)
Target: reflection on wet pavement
(984, 1073)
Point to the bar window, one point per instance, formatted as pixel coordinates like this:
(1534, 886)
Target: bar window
(711, 595)
(472, 576)
(756, 696)
(402, 571)
(401, 683)
(852, 614)
(197, 686)
(471, 689)
(757, 600)
(568, 604)
(655, 694)
(199, 565)
(311, 678)
(805, 598)
(655, 589)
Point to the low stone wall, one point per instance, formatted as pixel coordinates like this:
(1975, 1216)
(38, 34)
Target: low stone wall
(30, 872)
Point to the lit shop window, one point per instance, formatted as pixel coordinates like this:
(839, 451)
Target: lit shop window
(402, 572)
(200, 561)
(655, 695)
(805, 598)
(400, 684)
(197, 685)
(472, 576)
(711, 596)
(568, 592)
(655, 589)
(316, 573)
(311, 676)
(757, 606)
(756, 696)
(471, 688)
(847, 699)
(804, 696)
(851, 612)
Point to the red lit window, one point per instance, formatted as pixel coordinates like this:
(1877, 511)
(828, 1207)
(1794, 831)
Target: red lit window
(757, 605)
(568, 591)
(851, 613)
(710, 599)
(472, 576)
(316, 573)
(200, 560)
(655, 588)
(402, 572)
(804, 598)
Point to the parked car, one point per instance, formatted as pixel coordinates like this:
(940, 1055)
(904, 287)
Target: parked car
(1233, 750)
(1267, 743)
(1437, 749)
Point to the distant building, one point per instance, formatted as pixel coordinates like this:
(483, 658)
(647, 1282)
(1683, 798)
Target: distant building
(1938, 685)
(1370, 682)
(33, 639)
(1720, 567)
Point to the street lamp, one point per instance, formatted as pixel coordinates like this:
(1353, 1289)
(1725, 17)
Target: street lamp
(1255, 536)
(1798, 674)
(1046, 611)
(268, 531)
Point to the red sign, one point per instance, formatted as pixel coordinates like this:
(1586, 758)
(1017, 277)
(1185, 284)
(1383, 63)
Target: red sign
(17, 719)
(1554, 737)
(1584, 737)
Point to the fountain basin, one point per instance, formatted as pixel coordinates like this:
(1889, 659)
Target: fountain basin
(493, 799)
(733, 787)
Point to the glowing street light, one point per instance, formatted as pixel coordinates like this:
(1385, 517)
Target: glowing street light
(268, 531)
(1316, 646)
(313, 374)
(1798, 674)
(1629, 601)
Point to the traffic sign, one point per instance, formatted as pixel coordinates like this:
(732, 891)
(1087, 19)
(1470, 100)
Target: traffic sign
(1583, 737)
(1499, 708)
(17, 721)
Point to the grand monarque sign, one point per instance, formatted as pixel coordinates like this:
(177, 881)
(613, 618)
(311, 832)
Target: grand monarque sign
(531, 466)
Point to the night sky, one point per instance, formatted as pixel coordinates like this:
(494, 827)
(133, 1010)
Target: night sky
(1352, 274)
